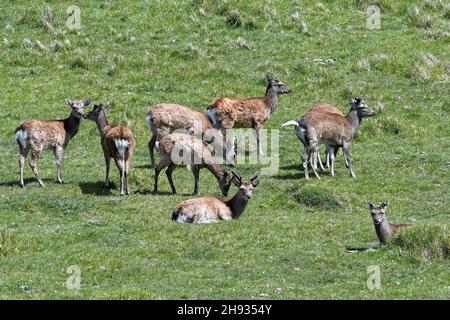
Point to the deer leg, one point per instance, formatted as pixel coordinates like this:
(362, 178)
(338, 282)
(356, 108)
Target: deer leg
(305, 159)
(35, 153)
(320, 160)
(332, 154)
(161, 165)
(58, 158)
(169, 172)
(126, 165)
(151, 147)
(196, 173)
(346, 149)
(23, 152)
(121, 166)
(107, 165)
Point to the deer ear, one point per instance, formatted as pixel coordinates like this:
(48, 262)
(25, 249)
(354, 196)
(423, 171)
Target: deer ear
(384, 204)
(269, 78)
(370, 205)
(69, 103)
(236, 179)
(87, 102)
(255, 179)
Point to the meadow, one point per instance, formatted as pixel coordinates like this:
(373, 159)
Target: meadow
(292, 241)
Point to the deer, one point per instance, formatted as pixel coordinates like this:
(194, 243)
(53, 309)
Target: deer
(36, 135)
(226, 113)
(117, 142)
(334, 130)
(324, 108)
(385, 231)
(165, 118)
(177, 149)
(214, 209)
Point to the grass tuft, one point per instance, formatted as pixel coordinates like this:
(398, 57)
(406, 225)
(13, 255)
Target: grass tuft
(316, 197)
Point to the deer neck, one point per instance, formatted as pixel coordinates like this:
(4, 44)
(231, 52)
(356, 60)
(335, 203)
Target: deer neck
(354, 120)
(102, 123)
(216, 169)
(237, 204)
(383, 231)
(271, 99)
(72, 125)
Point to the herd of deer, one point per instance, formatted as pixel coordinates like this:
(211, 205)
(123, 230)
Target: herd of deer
(321, 124)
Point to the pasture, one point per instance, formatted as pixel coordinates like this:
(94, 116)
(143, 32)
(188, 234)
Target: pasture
(291, 241)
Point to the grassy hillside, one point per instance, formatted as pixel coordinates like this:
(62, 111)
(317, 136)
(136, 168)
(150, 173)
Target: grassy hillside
(291, 242)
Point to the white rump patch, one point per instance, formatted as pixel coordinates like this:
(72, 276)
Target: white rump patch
(148, 120)
(121, 146)
(211, 113)
(157, 146)
(21, 137)
(300, 132)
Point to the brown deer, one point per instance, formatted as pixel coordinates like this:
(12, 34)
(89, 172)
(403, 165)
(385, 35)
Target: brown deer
(226, 113)
(182, 149)
(117, 142)
(385, 231)
(37, 135)
(212, 209)
(165, 118)
(332, 129)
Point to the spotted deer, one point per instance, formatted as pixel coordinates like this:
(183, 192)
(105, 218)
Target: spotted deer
(212, 209)
(117, 142)
(177, 149)
(226, 113)
(36, 135)
(385, 231)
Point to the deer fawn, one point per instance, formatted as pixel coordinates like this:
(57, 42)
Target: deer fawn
(211, 209)
(385, 231)
(193, 153)
(226, 113)
(37, 135)
(117, 142)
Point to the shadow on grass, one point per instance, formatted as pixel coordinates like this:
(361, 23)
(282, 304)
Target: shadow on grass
(96, 188)
(297, 175)
(32, 181)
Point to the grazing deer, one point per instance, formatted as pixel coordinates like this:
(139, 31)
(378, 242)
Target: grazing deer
(163, 119)
(226, 113)
(37, 135)
(332, 129)
(117, 142)
(193, 153)
(385, 231)
(212, 209)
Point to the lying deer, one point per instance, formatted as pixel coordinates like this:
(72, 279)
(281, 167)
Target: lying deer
(226, 113)
(117, 142)
(37, 135)
(165, 118)
(211, 209)
(192, 152)
(385, 231)
(332, 129)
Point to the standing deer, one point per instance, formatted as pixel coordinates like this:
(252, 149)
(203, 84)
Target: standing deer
(212, 209)
(226, 113)
(385, 231)
(117, 142)
(193, 153)
(37, 135)
(332, 129)
(165, 118)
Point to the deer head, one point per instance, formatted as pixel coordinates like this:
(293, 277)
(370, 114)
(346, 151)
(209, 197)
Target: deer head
(95, 113)
(245, 187)
(278, 86)
(359, 105)
(78, 106)
(378, 212)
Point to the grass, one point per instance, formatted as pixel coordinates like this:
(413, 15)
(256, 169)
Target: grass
(290, 243)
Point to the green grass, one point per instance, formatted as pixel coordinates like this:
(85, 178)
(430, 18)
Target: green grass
(294, 233)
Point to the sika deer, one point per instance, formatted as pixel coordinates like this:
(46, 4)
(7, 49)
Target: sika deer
(37, 135)
(163, 119)
(252, 113)
(212, 209)
(331, 129)
(385, 231)
(117, 142)
(182, 149)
